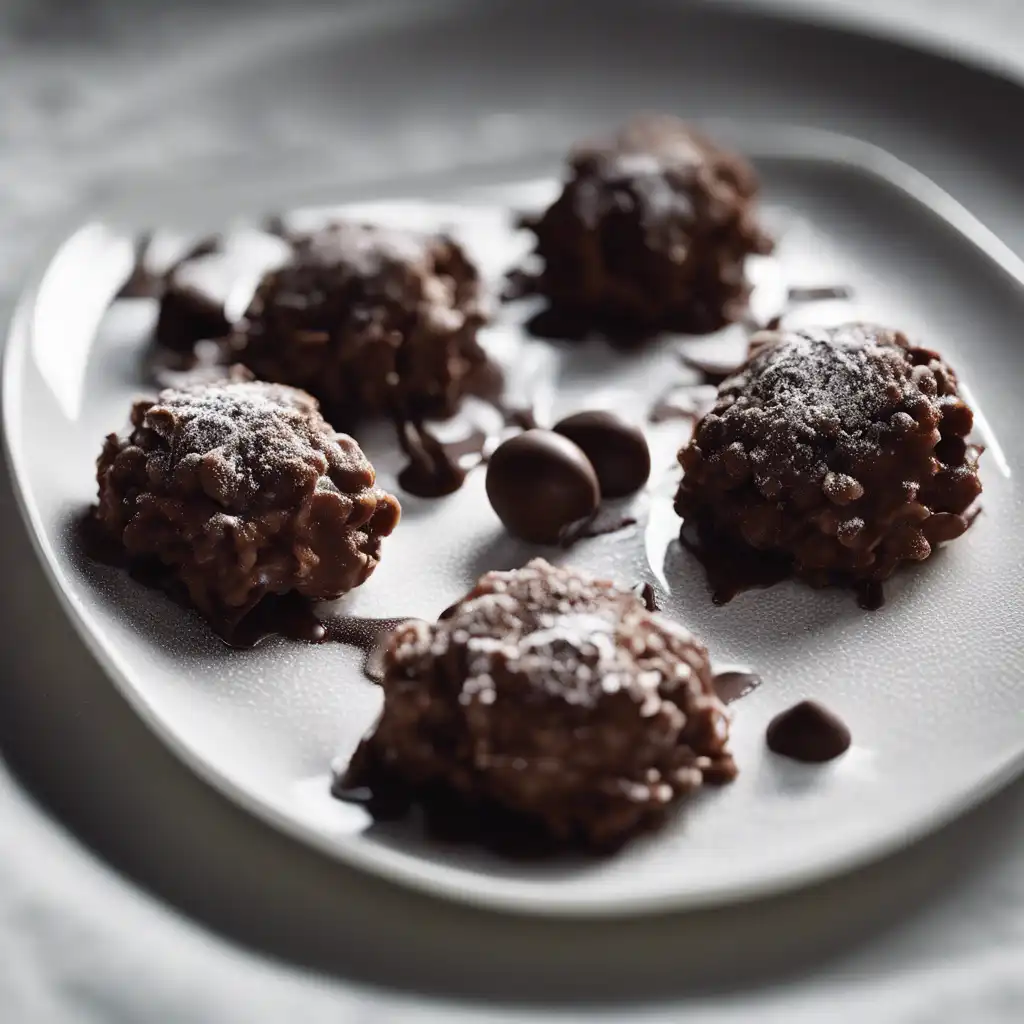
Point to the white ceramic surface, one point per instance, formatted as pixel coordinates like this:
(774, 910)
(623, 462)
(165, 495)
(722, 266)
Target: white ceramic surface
(931, 684)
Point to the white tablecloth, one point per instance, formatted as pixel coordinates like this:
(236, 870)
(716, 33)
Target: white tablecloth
(109, 912)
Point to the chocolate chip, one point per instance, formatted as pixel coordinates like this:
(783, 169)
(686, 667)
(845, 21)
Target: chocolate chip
(808, 732)
(617, 449)
(539, 482)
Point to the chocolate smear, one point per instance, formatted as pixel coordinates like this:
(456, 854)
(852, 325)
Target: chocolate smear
(733, 684)
(289, 616)
(648, 595)
(732, 568)
(434, 469)
(599, 524)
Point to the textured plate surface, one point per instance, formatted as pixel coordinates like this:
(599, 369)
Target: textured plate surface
(931, 684)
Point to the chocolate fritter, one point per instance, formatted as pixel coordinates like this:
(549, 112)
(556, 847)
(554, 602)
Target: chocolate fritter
(242, 489)
(369, 320)
(555, 697)
(652, 230)
(841, 451)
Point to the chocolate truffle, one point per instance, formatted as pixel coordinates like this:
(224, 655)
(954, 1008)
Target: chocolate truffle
(241, 489)
(555, 697)
(539, 483)
(651, 231)
(617, 450)
(371, 321)
(839, 453)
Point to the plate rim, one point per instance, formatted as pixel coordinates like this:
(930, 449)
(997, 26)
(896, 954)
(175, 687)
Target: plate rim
(449, 881)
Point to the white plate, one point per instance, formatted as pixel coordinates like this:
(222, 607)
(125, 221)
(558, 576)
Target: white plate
(931, 684)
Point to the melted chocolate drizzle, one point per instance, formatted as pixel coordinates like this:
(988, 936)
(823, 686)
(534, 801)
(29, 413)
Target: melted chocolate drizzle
(289, 616)
(434, 467)
(648, 595)
(597, 525)
(731, 569)
(294, 618)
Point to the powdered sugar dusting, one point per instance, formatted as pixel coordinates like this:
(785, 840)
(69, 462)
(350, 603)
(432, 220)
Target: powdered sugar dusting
(808, 398)
(572, 637)
(849, 373)
(251, 442)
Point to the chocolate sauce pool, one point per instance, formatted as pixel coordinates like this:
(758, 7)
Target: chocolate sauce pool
(294, 618)
(730, 569)
(288, 616)
(435, 468)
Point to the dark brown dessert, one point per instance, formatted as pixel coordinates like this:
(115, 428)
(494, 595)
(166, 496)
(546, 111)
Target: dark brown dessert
(371, 321)
(617, 450)
(834, 455)
(540, 484)
(554, 697)
(808, 732)
(651, 232)
(242, 490)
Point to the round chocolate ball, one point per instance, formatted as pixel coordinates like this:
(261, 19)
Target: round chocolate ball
(539, 482)
(617, 450)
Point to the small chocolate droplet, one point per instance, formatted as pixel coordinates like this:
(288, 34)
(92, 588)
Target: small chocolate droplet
(539, 482)
(648, 595)
(617, 449)
(734, 684)
(808, 732)
(870, 595)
